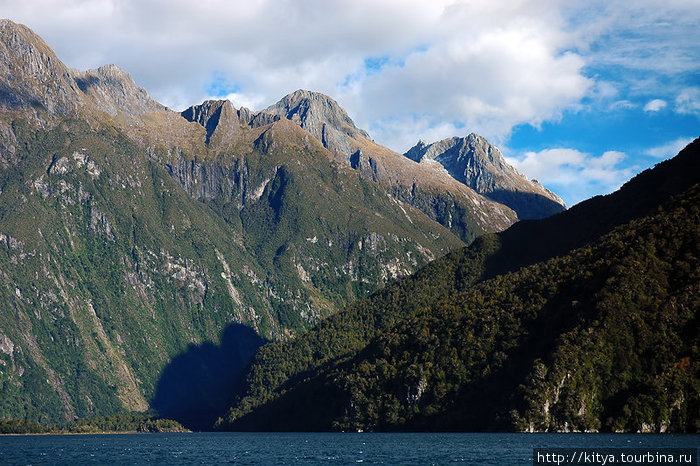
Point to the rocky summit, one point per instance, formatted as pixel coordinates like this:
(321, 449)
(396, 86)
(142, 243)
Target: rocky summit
(143, 248)
(473, 161)
(322, 117)
(437, 194)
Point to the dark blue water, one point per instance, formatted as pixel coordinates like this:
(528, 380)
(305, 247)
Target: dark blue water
(310, 448)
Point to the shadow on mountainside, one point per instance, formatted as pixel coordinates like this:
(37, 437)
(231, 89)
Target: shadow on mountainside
(199, 384)
(528, 206)
(528, 242)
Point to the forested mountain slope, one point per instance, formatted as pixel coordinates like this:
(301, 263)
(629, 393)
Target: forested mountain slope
(592, 327)
(129, 238)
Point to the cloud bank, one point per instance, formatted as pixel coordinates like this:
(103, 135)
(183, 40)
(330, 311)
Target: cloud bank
(487, 65)
(404, 70)
(571, 173)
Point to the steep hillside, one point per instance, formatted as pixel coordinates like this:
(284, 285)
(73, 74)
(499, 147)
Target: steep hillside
(422, 353)
(604, 338)
(109, 270)
(134, 239)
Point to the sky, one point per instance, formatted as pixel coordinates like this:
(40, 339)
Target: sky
(578, 94)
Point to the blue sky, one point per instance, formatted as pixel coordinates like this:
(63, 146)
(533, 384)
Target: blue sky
(579, 95)
(645, 104)
(644, 126)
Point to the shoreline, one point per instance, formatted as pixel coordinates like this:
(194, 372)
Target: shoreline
(94, 433)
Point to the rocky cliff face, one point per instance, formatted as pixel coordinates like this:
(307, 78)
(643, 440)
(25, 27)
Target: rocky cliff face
(32, 78)
(472, 160)
(322, 117)
(223, 122)
(131, 234)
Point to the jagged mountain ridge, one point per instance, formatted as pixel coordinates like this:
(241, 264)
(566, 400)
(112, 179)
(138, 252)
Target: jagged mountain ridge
(481, 166)
(129, 236)
(471, 160)
(420, 185)
(450, 203)
(438, 195)
(113, 91)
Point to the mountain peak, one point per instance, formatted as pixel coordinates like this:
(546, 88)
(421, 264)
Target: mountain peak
(9, 27)
(475, 162)
(222, 121)
(300, 95)
(114, 91)
(321, 116)
(32, 77)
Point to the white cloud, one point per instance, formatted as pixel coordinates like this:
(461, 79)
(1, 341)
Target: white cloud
(670, 149)
(573, 174)
(688, 101)
(483, 64)
(655, 105)
(447, 67)
(644, 35)
(622, 104)
(486, 81)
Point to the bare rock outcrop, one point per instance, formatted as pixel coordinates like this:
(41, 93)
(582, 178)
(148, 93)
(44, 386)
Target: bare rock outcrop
(322, 117)
(472, 160)
(113, 91)
(33, 80)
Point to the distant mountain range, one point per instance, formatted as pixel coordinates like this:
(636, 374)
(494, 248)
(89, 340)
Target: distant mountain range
(139, 244)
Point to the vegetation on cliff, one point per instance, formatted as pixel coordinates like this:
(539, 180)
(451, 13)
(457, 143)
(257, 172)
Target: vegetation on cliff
(603, 337)
(133, 422)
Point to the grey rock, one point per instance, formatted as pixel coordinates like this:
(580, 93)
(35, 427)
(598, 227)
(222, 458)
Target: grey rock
(472, 160)
(322, 117)
(8, 146)
(223, 122)
(207, 180)
(6, 345)
(113, 91)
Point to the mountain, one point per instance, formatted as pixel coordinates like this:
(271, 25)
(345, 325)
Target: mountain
(137, 242)
(113, 91)
(323, 118)
(591, 327)
(481, 166)
(32, 79)
(146, 254)
(439, 195)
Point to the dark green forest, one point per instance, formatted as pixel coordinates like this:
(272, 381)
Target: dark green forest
(603, 338)
(279, 270)
(134, 422)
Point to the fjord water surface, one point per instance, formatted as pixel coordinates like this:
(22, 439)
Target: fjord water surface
(310, 448)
